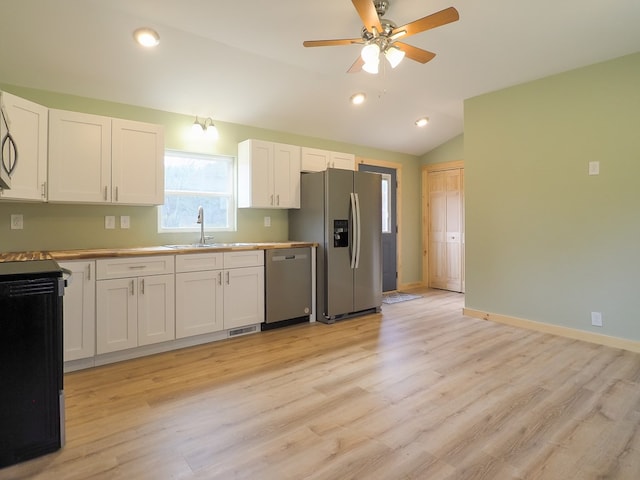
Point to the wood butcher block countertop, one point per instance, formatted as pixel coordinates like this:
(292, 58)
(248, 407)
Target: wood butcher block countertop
(81, 254)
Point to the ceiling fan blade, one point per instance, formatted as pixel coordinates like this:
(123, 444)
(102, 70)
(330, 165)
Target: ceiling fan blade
(329, 43)
(368, 14)
(357, 65)
(442, 17)
(415, 53)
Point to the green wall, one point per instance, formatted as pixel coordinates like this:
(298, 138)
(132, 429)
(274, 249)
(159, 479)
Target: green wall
(50, 226)
(449, 151)
(545, 241)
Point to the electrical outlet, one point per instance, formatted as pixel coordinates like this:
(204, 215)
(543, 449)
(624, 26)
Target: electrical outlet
(594, 168)
(17, 222)
(109, 222)
(267, 221)
(125, 221)
(596, 319)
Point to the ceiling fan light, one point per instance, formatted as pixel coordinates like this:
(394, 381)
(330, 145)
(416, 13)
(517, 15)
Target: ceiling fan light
(358, 98)
(394, 56)
(371, 67)
(370, 53)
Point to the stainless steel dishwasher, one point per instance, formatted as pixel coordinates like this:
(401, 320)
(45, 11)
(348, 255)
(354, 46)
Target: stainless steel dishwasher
(287, 286)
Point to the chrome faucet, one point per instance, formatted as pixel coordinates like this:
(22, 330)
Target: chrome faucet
(201, 222)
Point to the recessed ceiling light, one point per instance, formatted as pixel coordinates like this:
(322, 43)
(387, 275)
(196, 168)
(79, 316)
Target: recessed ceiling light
(422, 122)
(147, 37)
(358, 98)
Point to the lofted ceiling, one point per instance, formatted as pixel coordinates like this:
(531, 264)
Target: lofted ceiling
(243, 61)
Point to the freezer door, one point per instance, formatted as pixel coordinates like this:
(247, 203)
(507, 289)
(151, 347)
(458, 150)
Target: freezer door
(339, 275)
(368, 276)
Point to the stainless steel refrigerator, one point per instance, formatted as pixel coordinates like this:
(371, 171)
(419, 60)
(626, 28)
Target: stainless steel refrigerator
(341, 210)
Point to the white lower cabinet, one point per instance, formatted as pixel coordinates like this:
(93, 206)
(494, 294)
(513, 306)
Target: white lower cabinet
(79, 310)
(135, 302)
(218, 291)
(243, 297)
(199, 293)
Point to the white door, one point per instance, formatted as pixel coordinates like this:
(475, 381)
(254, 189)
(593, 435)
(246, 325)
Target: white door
(79, 157)
(198, 303)
(286, 176)
(243, 296)
(29, 122)
(156, 309)
(116, 314)
(79, 311)
(137, 171)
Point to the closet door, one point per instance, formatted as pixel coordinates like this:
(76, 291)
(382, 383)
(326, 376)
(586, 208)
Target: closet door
(446, 229)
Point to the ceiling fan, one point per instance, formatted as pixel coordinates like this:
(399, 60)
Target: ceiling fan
(380, 35)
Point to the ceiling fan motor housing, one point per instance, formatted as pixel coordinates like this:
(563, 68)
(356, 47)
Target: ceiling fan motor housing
(381, 6)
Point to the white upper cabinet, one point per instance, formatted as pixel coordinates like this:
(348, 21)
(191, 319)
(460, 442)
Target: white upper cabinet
(28, 127)
(137, 163)
(268, 175)
(316, 160)
(96, 159)
(79, 157)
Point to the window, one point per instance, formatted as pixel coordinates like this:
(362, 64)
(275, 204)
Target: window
(193, 180)
(386, 203)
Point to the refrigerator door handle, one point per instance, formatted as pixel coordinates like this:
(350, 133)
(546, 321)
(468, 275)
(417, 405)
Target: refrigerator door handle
(358, 233)
(354, 216)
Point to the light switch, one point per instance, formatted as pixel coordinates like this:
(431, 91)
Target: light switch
(109, 222)
(594, 168)
(125, 221)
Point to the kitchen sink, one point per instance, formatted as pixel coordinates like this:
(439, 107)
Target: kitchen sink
(234, 244)
(210, 245)
(191, 245)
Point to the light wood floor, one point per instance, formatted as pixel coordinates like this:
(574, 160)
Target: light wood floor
(417, 392)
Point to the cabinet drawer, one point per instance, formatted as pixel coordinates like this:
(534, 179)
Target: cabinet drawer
(198, 262)
(134, 266)
(244, 258)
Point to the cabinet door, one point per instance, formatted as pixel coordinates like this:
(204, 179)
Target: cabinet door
(137, 169)
(79, 311)
(29, 130)
(243, 297)
(255, 174)
(156, 309)
(79, 157)
(198, 303)
(345, 161)
(116, 314)
(286, 176)
(313, 159)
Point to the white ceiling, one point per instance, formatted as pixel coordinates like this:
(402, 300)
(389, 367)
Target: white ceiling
(243, 61)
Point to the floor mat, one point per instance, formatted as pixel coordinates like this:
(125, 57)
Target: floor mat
(397, 297)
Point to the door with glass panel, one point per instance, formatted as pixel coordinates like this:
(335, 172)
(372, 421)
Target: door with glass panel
(389, 225)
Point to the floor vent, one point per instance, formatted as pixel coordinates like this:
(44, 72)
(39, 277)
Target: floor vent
(243, 331)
